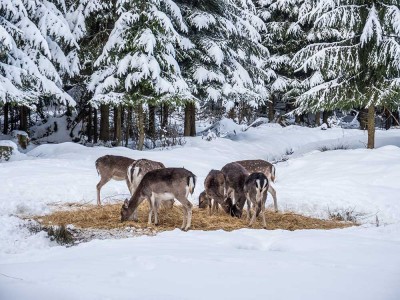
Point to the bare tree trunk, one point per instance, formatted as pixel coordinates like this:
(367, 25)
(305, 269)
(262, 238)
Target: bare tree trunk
(140, 116)
(271, 113)
(388, 121)
(325, 116)
(118, 124)
(104, 122)
(6, 109)
(95, 135)
(371, 127)
(23, 118)
(89, 131)
(128, 126)
(318, 118)
(190, 119)
(152, 121)
(164, 115)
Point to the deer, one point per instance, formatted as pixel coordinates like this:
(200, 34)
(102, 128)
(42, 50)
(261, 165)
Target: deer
(215, 189)
(268, 169)
(255, 188)
(162, 185)
(235, 177)
(112, 167)
(204, 201)
(139, 168)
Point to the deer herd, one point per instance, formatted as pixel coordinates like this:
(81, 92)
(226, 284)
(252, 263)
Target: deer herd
(237, 183)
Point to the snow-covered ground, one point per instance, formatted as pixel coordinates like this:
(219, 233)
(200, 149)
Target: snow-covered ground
(353, 263)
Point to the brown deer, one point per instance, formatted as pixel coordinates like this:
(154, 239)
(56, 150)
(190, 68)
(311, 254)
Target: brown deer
(255, 189)
(112, 167)
(262, 166)
(215, 189)
(139, 168)
(235, 177)
(161, 185)
(204, 201)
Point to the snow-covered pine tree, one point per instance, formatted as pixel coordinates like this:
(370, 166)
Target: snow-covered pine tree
(37, 49)
(354, 57)
(283, 38)
(227, 63)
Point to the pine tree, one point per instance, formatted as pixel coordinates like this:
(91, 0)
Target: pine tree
(354, 57)
(37, 50)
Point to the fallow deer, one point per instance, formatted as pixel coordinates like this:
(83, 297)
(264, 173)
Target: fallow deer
(161, 185)
(255, 189)
(112, 167)
(235, 177)
(204, 201)
(262, 166)
(139, 168)
(215, 189)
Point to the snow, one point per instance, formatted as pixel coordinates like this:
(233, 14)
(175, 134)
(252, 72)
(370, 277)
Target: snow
(357, 263)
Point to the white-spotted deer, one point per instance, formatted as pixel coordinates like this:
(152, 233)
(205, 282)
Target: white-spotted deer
(215, 190)
(235, 177)
(138, 169)
(112, 167)
(262, 166)
(161, 185)
(255, 189)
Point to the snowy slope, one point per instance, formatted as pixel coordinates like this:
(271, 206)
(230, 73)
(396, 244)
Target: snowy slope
(352, 263)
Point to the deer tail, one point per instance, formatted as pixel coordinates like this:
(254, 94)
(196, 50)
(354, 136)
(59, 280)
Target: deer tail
(191, 183)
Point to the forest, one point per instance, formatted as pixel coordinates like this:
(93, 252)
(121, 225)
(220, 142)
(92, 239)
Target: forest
(141, 72)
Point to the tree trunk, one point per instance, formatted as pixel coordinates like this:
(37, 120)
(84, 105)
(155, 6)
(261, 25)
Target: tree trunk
(12, 119)
(388, 121)
(95, 136)
(318, 118)
(371, 127)
(271, 113)
(23, 118)
(128, 126)
(89, 131)
(118, 124)
(104, 122)
(190, 119)
(6, 109)
(164, 115)
(152, 121)
(140, 117)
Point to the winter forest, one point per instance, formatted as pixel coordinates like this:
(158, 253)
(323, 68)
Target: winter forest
(200, 149)
(123, 72)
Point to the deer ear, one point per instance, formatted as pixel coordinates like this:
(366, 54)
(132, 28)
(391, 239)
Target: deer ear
(126, 203)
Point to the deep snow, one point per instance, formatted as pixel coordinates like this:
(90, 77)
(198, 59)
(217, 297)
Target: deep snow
(354, 263)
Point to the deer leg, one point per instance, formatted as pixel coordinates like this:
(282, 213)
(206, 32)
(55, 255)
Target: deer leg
(253, 218)
(263, 212)
(210, 206)
(151, 202)
(187, 213)
(272, 191)
(101, 183)
(248, 209)
(156, 206)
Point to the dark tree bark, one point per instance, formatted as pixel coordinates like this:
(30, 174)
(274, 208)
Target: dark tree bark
(118, 124)
(388, 119)
(164, 115)
(6, 109)
(318, 118)
(128, 126)
(12, 119)
(23, 118)
(89, 128)
(371, 127)
(95, 132)
(104, 122)
(152, 121)
(190, 119)
(325, 116)
(271, 113)
(140, 116)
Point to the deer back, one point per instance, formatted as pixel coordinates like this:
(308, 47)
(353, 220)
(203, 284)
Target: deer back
(113, 166)
(259, 165)
(141, 167)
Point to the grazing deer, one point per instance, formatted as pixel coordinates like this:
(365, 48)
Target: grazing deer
(262, 166)
(160, 185)
(112, 167)
(138, 169)
(235, 177)
(204, 201)
(255, 189)
(214, 186)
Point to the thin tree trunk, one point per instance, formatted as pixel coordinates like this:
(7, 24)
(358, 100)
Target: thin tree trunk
(186, 131)
(12, 119)
(95, 135)
(318, 118)
(152, 121)
(118, 124)
(23, 118)
(271, 113)
(164, 115)
(190, 119)
(128, 126)
(6, 108)
(325, 116)
(104, 122)
(371, 127)
(140, 126)
(89, 131)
